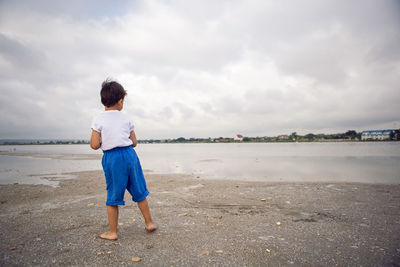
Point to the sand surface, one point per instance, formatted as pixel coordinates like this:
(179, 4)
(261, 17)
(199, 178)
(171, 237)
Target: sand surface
(203, 223)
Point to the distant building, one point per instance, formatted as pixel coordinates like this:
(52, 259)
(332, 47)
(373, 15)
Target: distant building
(238, 137)
(377, 135)
(283, 137)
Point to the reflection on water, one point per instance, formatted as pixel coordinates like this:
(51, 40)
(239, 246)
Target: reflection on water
(328, 162)
(310, 162)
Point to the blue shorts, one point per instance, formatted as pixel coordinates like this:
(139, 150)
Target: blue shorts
(122, 170)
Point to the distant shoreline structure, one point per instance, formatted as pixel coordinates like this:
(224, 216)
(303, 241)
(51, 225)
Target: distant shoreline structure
(349, 136)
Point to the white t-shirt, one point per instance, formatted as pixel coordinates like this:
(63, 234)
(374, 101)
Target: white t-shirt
(115, 128)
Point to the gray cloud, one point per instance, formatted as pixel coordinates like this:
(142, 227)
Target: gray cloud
(200, 68)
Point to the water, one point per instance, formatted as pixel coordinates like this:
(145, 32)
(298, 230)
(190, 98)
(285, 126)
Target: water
(311, 162)
(286, 162)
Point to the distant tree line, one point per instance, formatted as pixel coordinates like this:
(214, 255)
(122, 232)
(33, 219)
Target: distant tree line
(350, 135)
(42, 142)
(293, 137)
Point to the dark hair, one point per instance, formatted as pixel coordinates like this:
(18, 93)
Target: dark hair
(111, 92)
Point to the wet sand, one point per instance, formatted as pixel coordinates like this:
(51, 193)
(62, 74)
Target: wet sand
(203, 223)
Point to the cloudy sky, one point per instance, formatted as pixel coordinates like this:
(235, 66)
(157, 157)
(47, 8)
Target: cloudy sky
(200, 68)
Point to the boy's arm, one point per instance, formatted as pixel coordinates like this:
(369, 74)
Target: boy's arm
(133, 138)
(95, 140)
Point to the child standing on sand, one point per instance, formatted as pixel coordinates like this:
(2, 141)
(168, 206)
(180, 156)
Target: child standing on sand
(113, 132)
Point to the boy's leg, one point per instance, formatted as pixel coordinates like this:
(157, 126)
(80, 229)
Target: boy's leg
(112, 212)
(144, 208)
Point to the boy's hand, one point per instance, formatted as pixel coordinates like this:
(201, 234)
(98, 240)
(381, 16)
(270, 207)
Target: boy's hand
(133, 138)
(95, 140)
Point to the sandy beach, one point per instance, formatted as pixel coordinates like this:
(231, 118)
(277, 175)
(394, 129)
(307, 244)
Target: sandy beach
(203, 223)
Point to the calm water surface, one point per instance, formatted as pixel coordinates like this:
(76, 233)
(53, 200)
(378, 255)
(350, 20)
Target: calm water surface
(310, 162)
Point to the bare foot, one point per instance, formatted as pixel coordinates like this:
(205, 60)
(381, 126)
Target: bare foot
(151, 227)
(109, 236)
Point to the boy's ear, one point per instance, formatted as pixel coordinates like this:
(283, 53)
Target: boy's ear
(120, 101)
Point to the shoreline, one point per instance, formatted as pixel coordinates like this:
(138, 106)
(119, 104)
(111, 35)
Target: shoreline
(144, 142)
(203, 222)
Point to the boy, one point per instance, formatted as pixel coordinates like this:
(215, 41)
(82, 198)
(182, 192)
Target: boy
(113, 132)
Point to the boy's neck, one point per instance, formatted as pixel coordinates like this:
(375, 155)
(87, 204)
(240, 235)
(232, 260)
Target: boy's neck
(118, 106)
